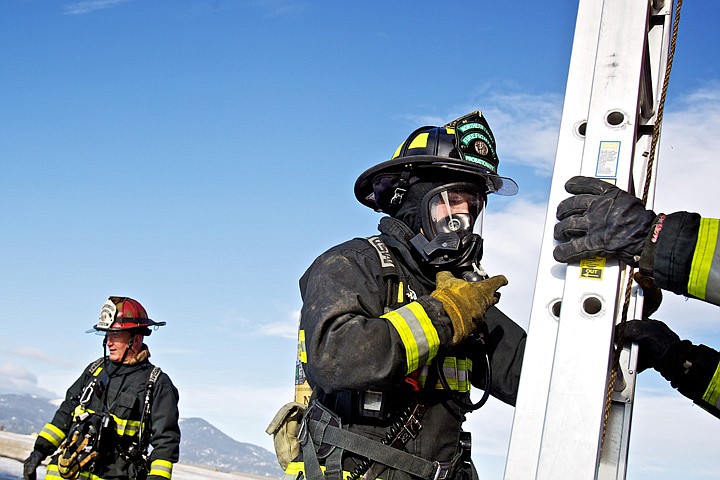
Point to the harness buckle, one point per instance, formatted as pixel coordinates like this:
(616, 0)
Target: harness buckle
(302, 432)
(398, 196)
(443, 470)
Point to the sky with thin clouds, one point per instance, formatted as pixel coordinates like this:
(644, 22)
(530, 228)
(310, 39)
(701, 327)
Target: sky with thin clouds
(198, 155)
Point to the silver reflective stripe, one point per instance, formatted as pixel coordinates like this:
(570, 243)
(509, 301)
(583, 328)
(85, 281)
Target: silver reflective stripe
(52, 434)
(417, 332)
(456, 371)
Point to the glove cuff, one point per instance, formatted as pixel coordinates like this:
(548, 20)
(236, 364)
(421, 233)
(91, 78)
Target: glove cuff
(647, 256)
(453, 313)
(689, 368)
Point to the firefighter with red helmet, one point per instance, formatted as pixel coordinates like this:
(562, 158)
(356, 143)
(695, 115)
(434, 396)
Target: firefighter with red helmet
(398, 326)
(119, 420)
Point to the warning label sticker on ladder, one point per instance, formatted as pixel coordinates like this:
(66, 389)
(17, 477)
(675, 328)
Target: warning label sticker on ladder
(592, 268)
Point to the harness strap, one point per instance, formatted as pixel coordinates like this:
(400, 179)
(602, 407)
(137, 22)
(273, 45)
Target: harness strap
(389, 271)
(147, 408)
(322, 432)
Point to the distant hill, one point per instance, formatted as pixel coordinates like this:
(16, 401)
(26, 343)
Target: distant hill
(201, 443)
(24, 414)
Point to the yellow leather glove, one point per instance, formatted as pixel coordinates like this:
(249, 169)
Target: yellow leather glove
(466, 302)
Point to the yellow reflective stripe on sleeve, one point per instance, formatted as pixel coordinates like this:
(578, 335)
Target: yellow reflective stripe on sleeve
(161, 468)
(712, 392)
(417, 333)
(52, 434)
(705, 254)
(295, 468)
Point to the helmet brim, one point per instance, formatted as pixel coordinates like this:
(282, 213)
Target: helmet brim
(147, 323)
(426, 163)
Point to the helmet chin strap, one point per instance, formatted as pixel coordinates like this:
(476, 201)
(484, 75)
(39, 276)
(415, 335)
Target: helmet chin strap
(128, 349)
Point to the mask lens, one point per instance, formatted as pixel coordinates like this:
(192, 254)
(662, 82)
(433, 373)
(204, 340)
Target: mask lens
(455, 210)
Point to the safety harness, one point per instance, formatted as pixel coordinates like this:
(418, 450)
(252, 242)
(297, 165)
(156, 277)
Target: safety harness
(321, 434)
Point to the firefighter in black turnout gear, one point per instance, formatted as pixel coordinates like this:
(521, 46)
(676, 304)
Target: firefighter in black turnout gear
(398, 326)
(121, 405)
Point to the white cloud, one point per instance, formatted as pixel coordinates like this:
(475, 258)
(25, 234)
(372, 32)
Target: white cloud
(17, 379)
(287, 328)
(34, 353)
(690, 145)
(88, 6)
(525, 126)
(512, 239)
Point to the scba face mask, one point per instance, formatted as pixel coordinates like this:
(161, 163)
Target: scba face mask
(452, 216)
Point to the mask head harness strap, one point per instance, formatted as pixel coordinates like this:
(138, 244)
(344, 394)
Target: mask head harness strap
(400, 189)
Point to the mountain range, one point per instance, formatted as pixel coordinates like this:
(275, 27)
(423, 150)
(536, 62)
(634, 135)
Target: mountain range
(201, 443)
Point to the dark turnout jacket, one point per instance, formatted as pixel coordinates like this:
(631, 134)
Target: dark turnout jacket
(123, 397)
(685, 259)
(367, 337)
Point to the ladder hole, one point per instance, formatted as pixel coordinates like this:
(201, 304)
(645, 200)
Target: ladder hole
(555, 308)
(615, 118)
(592, 305)
(582, 128)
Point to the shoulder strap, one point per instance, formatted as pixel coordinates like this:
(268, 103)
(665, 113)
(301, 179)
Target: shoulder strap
(387, 261)
(390, 271)
(92, 369)
(154, 374)
(96, 382)
(142, 434)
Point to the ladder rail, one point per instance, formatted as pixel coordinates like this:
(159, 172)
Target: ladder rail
(560, 422)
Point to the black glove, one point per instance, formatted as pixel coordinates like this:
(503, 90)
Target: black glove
(652, 295)
(600, 220)
(31, 464)
(653, 338)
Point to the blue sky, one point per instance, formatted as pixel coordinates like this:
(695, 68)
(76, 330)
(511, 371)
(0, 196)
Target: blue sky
(198, 155)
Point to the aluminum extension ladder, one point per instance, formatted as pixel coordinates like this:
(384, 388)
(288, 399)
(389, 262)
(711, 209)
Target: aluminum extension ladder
(563, 427)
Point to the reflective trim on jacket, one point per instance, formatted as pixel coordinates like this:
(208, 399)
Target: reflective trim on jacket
(52, 473)
(704, 281)
(123, 427)
(457, 374)
(161, 468)
(417, 332)
(52, 434)
(712, 393)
